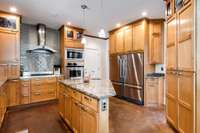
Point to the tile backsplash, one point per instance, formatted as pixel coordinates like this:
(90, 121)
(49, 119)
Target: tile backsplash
(29, 40)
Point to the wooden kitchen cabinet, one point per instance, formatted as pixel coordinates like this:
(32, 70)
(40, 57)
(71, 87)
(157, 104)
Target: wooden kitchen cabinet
(171, 44)
(119, 41)
(154, 91)
(68, 106)
(171, 99)
(25, 87)
(76, 116)
(13, 70)
(112, 43)
(61, 101)
(185, 39)
(139, 36)
(88, 120)
(3, 103)
(128, 38)
(4, 72)
(156, 42)
(13, 92)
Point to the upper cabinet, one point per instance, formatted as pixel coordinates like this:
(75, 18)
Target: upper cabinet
(139, 35)
(156, 42)
(112, 43)
(128, 38)
(71, 37)
(119, 41)
(135, 36)
(9, 38)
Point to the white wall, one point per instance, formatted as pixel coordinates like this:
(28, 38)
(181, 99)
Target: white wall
(96, 58)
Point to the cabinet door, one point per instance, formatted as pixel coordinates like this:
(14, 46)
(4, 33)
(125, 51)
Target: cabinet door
(128, 38)
(88, 120)
(139, 36)
(76, 115)
(61, 101)
(3, 72)
(185, 101)
(68, 109)
(185, 40)
(155, 44)
(172, 105)
(9, 50)
(119, 41)
(25, 92)
(14, 92)
(51, 90)
(171, 45)
(112, 43)
(13, 71)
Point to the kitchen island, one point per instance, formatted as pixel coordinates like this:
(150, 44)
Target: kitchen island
(85, 106)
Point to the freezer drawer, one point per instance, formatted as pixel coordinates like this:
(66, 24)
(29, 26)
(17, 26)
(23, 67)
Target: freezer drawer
(134, 93)
(118, 88)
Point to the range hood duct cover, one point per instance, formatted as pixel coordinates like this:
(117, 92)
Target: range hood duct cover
(41, 48)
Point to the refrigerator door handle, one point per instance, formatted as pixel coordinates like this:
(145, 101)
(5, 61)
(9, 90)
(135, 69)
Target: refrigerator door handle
(120, 67)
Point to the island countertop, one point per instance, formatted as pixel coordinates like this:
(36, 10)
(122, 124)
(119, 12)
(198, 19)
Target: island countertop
(97, 89)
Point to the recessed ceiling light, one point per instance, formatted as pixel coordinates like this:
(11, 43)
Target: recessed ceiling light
(144, 14)
(13, 9)
(118, 25)
(68, 23)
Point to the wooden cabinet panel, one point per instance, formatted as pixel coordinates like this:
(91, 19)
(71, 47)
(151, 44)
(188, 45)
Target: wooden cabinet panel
(90, 102)
(171, 84)
(13, 71)
(76, 113)
(61, 101)
(24, 91)
(185, 42)
(76, 95)
(88, 121)
(171, 45)
(9, 50)
(3, 103)
(156, 42)
(172, 111)
(112, 43)
(13, 92)
(185, 120)
(186, 89)
(3, 72)
(67, 108)
(119, 41)
(128, 38)
(50, 90)
(139, 36)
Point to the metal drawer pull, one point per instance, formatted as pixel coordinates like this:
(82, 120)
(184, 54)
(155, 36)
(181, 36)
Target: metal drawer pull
(37, 93)
(88, 99)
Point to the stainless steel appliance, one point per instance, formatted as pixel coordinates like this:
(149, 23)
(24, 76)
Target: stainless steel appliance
(74, 54)
(127, 76)
(75, 70)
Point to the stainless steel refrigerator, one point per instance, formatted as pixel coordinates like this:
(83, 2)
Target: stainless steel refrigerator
(127, 76)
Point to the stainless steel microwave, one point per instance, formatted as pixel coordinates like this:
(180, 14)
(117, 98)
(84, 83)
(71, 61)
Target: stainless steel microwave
(74, 54)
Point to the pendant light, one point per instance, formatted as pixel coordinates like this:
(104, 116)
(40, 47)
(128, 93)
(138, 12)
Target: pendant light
(84, 7)
(102, 33)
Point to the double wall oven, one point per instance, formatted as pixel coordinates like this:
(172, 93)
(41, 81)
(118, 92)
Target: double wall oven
(74, 63)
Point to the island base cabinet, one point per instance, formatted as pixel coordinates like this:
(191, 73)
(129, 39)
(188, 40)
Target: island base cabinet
(88, 121)
(76, 113)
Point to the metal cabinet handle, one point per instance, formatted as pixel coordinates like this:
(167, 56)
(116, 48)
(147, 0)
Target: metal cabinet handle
(88, 99)
(37, 93)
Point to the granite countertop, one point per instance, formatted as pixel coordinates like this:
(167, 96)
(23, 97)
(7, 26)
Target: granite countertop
(97, 89)
(42, 76)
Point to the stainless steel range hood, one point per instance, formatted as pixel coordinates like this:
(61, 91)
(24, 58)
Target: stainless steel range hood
(41, 48)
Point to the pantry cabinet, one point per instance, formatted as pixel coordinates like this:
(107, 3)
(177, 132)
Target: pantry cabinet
(181, 73)
(185, 39)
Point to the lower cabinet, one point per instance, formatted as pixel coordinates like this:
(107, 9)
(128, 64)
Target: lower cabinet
(180, 104)
(3, 103)
(13, 92)
(80, 115)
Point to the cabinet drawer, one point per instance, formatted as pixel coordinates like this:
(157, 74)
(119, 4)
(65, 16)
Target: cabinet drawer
(90, 102)
(51, 80)
(76, 95)
(37, 88)
(37, 81)
(37, 96)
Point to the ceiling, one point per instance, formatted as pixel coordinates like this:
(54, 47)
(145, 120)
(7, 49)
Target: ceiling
(55, 13)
